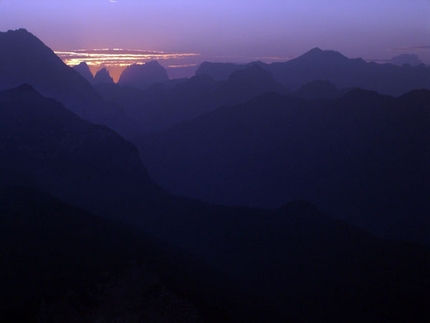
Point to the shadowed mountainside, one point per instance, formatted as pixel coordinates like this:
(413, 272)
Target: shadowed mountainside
(363, 157)
(330, 65)
(25, 59)
(44, 145)
(293, 262)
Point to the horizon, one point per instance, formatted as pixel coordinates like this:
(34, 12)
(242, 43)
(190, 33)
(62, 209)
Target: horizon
(222, 31)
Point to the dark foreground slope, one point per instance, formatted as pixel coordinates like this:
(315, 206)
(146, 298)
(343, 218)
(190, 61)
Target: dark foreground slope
(293, 262)
(25, 59)
(363, 158)
(62, 264)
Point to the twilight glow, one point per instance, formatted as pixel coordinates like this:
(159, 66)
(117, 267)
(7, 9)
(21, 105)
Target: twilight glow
(222, 30)
(117, 57)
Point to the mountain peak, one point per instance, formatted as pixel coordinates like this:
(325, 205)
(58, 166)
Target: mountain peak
(319, 54)
(85, 71)
(103, 76)
(20, 31)
(315, 50)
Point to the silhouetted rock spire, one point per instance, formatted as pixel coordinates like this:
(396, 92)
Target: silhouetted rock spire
(84, 70)
(103, 76)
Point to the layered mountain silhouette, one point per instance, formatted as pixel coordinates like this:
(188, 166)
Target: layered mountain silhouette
(162, 106)
(293, 263)
(87, 235)
(142, 76)
(330, 65)
(25, 59)
(362, 158)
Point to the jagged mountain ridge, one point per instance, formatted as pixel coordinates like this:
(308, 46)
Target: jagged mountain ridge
(85, 71)
(330, 65)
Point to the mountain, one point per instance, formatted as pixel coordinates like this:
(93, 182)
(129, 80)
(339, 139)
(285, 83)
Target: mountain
(103, 76)
(25, 59)
(163, 105)
(142, 76)
(318, 64)
(85, 71)
(362, 158)
(289, 264)
(46, 146)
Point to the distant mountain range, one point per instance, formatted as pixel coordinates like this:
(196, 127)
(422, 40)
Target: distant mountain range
(162, 103)
(363, 157)
(329, 65)
(217, 84)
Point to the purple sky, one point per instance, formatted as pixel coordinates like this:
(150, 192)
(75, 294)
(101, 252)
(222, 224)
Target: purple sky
(228, 30)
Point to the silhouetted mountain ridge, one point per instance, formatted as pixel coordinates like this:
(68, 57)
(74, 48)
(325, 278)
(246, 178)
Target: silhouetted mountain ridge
(85, 71)
(330, 65)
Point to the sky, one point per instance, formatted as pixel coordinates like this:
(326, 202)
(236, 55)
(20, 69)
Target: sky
(223, 30)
